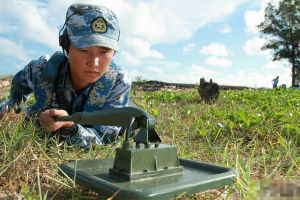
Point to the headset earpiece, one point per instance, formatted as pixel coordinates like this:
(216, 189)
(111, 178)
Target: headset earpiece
(64, 41)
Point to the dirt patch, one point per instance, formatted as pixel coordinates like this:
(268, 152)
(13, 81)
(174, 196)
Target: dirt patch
(5, 83)
(158, 85)
(143, 85)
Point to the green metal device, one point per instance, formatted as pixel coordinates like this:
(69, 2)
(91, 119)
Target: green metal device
(147, 170)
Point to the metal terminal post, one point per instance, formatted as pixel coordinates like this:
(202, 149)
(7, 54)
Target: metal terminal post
(126, 143)
(149, 170)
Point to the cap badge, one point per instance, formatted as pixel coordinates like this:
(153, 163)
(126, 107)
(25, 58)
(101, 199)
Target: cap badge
(99, 25)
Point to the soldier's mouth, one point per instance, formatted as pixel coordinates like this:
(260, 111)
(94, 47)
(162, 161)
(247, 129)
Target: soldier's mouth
(92, 72)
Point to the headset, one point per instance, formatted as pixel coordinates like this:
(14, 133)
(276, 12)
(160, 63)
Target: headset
(60, 82)
(64, 40)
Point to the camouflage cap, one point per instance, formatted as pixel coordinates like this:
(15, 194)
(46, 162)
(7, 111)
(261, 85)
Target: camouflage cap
(91, 25)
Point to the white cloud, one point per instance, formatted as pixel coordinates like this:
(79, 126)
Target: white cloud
(181, 78)
(253, 46)
(255, 17)
(165, 64)
(12, 49)
(255, 79)
(36, 21)
(188, 47)
(134, 74)
(141, 49)
(143, 22)
(158, 67)
(219, 62)
(215, 49)
(191, 74)
(32, 26)
(147, 24)
(6, 27)
(252, 19)
(127, 58)
(273, 65)
(247, 78)
(169, 21)
(242, 78)
(225, 29)
(195, 69)
(154, 69)
(135, 50)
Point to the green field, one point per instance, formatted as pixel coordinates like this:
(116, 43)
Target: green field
(257, 132)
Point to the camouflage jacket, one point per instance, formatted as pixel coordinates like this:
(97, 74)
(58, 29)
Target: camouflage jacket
(40, 76)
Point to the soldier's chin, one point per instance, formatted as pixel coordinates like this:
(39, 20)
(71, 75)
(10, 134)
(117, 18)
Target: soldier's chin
(93, 75)
(93, 79)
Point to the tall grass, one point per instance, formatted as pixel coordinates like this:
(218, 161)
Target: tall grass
(257, 132)
(254, 131)
(29, 162)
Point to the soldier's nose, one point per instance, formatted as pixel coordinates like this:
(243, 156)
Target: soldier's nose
(94, 61)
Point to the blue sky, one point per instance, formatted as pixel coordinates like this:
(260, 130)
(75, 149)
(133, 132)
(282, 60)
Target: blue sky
(166, 40)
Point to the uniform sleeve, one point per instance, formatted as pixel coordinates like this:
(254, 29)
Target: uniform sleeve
(22, 85)
(98, 135)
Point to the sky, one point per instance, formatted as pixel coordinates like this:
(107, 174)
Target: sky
(176, 41)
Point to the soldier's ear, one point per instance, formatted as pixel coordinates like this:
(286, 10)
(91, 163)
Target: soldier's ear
(68, 52)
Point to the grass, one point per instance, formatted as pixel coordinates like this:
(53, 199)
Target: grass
(254, 131)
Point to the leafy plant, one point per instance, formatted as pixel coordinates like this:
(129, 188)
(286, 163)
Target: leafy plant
(254, 131)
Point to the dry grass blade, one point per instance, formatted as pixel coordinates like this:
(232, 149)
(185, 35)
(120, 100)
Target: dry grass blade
(15, 160)
(236, 131)
(113, 196)
(52, 162)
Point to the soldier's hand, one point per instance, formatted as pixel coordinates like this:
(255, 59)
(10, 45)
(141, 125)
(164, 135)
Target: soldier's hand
(48, 123)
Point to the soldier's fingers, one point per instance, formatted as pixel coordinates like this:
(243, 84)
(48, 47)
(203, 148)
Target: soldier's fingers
(48, 123)
(49, 126)
(45, 120)
(55, 112)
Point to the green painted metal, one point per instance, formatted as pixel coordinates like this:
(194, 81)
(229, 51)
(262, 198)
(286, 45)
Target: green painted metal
(139, 162)
(196, 177)
(120, 117)
(148, 170)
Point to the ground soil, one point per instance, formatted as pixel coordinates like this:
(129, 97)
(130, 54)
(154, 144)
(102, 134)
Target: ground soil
(158, 85)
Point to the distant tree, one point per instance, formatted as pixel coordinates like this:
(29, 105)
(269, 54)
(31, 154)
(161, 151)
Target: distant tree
(281, 28)
(297, 77)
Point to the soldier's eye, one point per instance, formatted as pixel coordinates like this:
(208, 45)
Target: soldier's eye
(105, 50)
(83, 50)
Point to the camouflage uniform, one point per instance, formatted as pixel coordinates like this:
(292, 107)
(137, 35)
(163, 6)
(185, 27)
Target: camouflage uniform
(50, 82)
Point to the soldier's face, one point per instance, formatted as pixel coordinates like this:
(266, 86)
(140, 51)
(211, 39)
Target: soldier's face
(87, 65)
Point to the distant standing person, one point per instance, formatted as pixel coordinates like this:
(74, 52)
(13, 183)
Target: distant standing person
(275, 82)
